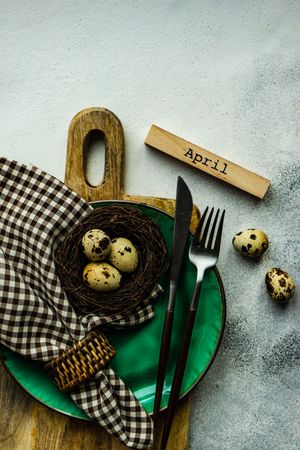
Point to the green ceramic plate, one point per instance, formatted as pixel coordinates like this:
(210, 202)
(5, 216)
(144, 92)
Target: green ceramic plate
(138, 348)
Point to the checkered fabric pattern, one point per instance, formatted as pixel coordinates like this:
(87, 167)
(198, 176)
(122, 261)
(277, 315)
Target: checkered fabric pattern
(36, 318)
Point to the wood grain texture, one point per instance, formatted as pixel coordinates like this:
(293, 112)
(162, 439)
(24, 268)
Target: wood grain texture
(25, 424)
(84, 123)
(207, 161)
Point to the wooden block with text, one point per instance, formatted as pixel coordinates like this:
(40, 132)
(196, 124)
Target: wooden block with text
(207, 161)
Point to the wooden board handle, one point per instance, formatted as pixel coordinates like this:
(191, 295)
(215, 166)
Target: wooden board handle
(86, 121)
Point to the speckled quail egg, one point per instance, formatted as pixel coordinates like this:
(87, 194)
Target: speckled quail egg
(280, 285)
(96, 244)
(123, 255)
(251, 242)
(101, 276)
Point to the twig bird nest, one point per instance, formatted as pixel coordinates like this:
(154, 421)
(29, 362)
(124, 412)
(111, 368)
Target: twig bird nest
(136, 287)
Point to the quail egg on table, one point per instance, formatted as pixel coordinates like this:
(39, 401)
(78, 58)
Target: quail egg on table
(123, 255)
(101, 276)
(96, 244)
(280, 285)
(251, 242)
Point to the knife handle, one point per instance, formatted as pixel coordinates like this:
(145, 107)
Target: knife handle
(163, 361)
(180, 366)
(178, 377)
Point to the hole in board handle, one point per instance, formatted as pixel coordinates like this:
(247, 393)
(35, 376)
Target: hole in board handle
(94, 157)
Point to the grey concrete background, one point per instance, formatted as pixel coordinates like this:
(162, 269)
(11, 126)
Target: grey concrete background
(224, 75)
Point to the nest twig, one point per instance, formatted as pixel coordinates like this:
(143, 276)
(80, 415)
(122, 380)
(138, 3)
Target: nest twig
(117, 221)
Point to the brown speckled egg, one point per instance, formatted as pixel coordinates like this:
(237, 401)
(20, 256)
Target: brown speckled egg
(96, 244)
(251, 242)
(280, 285)
(101, 276)
(123, 255)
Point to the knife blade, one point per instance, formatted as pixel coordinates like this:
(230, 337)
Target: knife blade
(183, 214)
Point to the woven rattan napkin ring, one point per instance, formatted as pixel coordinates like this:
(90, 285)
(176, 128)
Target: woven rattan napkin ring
(81, 361)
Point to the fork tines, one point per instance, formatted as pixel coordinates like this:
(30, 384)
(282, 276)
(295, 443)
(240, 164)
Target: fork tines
(205, 234)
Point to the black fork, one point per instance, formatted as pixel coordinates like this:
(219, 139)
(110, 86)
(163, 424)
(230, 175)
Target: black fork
(204, 253)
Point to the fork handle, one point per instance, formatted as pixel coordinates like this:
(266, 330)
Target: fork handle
(180, 367)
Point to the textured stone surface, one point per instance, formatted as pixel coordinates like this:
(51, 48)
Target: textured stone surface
(224, 75)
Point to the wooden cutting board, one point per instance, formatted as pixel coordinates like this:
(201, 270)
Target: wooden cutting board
(26, 424)
(105, 121)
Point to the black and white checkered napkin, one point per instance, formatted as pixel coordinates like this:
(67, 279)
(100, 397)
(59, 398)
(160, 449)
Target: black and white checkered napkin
(36, 318)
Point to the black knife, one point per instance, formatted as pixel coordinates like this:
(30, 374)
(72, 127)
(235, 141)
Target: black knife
(183, 214)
